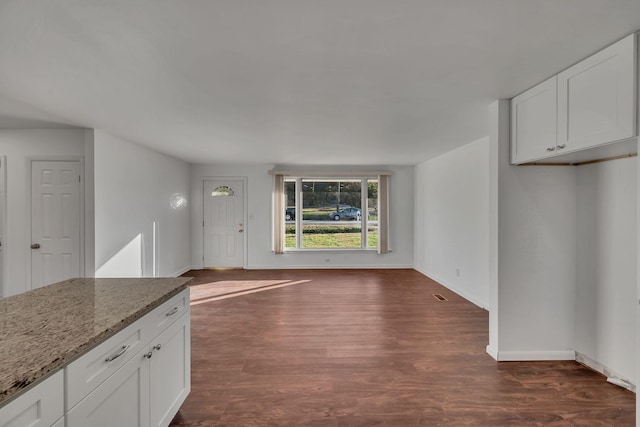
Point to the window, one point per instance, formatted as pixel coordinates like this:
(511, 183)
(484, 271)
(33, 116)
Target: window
(222, 190)
(319, 213)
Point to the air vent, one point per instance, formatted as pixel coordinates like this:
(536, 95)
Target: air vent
(439, 297)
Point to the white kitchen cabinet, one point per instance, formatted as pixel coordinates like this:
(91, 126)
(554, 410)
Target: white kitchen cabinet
(597, 99)
(92, 369)
(534, 118)
(591, 104)
(170, 371)
(41, 406)
(122, 400)
(135, 389)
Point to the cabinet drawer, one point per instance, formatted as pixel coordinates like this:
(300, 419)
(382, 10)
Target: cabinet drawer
(39, 407)
(167, 313)
(89, 371)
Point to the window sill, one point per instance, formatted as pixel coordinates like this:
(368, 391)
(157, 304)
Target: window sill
(332, 250)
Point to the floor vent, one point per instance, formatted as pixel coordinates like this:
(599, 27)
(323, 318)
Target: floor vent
(440, 297)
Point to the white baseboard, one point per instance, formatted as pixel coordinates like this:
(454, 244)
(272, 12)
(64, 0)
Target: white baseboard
(454, 289)
(181, 271)
(607, 372)
(525, 356)
(492, 351)
(328, 267)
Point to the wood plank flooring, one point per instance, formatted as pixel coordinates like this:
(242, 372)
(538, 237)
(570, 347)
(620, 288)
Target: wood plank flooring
(349, 348)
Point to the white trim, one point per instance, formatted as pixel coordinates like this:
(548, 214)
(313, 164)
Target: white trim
(585, 360)
(465, 295)
(332, 250)
(329, 174)
(493, 352)
(3, 222)
(182, 271)
(524, 356)
(332, 267)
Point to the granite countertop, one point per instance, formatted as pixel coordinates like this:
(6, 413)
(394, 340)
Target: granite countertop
(43, 330)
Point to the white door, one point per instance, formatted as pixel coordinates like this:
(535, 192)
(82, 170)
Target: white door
(55, 221)
(224, 223)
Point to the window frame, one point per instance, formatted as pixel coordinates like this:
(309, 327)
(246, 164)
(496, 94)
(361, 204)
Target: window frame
(279, 228)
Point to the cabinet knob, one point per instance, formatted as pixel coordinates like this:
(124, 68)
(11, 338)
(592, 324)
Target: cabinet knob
(148, 355)
(560, 147)
(550, 149)
(157, 346)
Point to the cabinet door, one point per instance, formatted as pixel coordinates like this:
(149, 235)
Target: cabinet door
(170, 365)
(40, 406)
(534, 123)
(122, 400)
(596, 98)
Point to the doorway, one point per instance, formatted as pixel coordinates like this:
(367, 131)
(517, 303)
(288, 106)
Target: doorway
(55, 221)
(223, 203)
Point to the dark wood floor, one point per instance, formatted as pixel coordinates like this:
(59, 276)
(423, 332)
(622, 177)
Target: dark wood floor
(370, 348)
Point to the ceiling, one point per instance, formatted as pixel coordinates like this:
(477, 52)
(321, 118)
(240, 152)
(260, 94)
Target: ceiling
(325, 82)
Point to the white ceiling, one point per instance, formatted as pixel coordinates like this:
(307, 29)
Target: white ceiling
(289, 81)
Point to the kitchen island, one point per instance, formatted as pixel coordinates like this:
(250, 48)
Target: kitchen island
(42, 332)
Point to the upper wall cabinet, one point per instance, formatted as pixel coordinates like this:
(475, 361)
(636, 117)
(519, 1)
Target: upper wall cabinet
(534, 122)
(595, 105)
(596, 98)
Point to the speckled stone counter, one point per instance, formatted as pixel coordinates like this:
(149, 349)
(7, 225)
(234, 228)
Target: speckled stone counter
(43, 330)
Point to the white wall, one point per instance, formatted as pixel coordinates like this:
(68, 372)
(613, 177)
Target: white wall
(258, 231)
(606, 265)
(20, 147)
(133, 189)
(452, 220)
(534, 296)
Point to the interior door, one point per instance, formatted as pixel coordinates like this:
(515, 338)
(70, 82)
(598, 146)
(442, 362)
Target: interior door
(223, 223)
(55, 221)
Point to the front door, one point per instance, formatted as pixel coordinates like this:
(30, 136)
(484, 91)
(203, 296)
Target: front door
(55, 221)
(224, 223)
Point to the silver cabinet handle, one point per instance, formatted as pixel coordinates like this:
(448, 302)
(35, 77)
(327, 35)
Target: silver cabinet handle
(148, 355)
(560, 147)
(118, 354)
(35, 246)
(157, 346)
(172, 312)
(551, 149)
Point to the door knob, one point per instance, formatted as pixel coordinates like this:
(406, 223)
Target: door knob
(35, 246)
